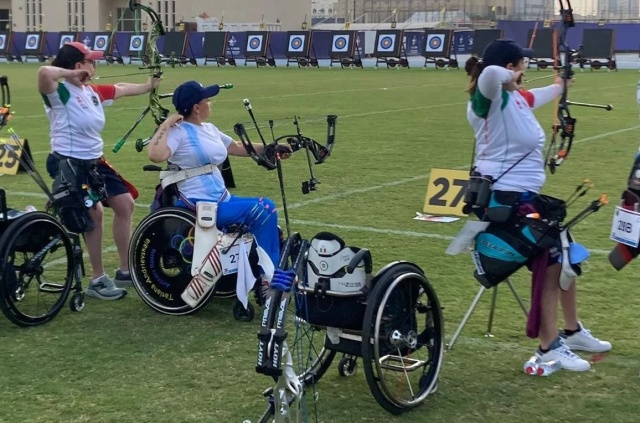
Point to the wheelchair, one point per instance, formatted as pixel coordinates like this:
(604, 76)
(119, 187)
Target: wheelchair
(392, 320)
(39, 261)
(161, 251)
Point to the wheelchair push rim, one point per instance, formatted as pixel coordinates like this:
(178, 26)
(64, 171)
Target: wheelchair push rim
(403, 341)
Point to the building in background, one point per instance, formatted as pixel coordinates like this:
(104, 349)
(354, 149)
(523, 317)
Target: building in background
(373, 11)
(98, 15)
(283, 15)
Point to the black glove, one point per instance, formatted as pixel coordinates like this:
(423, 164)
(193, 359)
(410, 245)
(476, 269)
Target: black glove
(272, 150)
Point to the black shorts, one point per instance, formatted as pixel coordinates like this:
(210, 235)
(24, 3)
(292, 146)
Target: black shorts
(112, 181)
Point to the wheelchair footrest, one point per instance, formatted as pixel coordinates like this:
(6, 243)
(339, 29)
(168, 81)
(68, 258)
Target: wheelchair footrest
(51, 287)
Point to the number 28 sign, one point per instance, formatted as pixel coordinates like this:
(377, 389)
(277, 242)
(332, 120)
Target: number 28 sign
(626, 227)
(445, 192)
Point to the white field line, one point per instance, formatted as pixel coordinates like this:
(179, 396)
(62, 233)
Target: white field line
(85, 255)
(139, 108)
(356, 228)
(425, 176)
(369, 189)
(357, 115)
(238, 100)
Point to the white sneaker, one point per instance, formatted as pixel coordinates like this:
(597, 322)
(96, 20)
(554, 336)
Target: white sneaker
(584, 341)
(567, 359)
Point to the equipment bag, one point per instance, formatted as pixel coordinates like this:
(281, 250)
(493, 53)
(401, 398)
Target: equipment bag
(330, 296)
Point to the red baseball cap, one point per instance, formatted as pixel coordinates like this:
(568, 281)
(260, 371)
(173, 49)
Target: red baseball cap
(88, 53)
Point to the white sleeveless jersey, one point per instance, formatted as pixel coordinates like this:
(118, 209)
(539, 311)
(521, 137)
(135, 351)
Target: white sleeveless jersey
(506, 131)
(76, 119)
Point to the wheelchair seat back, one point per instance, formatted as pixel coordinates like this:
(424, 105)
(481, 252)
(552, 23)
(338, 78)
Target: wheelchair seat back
(326, 266)
(165, 197)
(167, 194)
(330, 296)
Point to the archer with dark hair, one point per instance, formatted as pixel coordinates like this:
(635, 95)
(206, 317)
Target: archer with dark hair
(74, 107)
(187, 140)
(508, 151)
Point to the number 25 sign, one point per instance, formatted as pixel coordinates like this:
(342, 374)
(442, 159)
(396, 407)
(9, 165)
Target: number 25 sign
(445, 192)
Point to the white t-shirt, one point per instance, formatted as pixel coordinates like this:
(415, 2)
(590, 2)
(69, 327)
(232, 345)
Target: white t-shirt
(506, 130)
(76, 118)
(194, 146)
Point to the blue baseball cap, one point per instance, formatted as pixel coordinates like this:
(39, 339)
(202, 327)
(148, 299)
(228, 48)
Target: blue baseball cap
(504, 51)
(191, 93)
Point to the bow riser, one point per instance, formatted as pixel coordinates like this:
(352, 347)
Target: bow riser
(564, 128)
(153, 62)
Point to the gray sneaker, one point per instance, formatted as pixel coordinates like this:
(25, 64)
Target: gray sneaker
(105, 289)
(122, 279)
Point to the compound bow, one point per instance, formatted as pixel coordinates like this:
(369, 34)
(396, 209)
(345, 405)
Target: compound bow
(565, 123)
(270, 157)
(153, 62)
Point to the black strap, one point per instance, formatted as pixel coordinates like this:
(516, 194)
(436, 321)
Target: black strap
(511, 167)
(81, 163)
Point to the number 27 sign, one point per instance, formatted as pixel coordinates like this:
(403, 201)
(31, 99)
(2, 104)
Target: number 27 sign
(445, 192)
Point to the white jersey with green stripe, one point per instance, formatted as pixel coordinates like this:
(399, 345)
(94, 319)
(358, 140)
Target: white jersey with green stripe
(76, 119)
(507, 131)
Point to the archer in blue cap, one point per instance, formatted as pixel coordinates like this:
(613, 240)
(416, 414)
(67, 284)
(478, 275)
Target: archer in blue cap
(188, 140)
(190, 94)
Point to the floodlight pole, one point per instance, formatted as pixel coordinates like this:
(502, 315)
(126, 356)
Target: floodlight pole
(474, 304)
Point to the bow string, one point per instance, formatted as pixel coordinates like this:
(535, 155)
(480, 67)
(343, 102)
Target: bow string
(564, 125)
(154, 59)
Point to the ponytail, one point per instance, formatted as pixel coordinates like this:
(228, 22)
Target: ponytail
(473, 67)
(67, 57)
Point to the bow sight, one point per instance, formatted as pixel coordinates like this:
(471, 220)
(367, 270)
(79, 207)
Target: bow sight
(565, 123)
(270, 158)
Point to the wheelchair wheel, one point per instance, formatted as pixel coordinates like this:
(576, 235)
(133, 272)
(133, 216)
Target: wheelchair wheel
(405, 331)
(36, 262)
(307, 345)
(161, 249)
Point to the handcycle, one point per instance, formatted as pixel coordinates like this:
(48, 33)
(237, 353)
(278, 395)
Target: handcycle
(40, 261)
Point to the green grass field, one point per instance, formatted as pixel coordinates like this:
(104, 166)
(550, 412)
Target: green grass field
(122, 362)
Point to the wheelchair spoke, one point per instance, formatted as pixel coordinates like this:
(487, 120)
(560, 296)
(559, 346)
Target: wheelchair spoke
(36, 251)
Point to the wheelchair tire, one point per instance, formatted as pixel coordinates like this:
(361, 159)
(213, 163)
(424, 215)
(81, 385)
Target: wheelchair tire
(36, 269)
(159, 252)
(403, 338)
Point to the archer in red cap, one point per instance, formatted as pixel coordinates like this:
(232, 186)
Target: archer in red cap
(74, 107)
